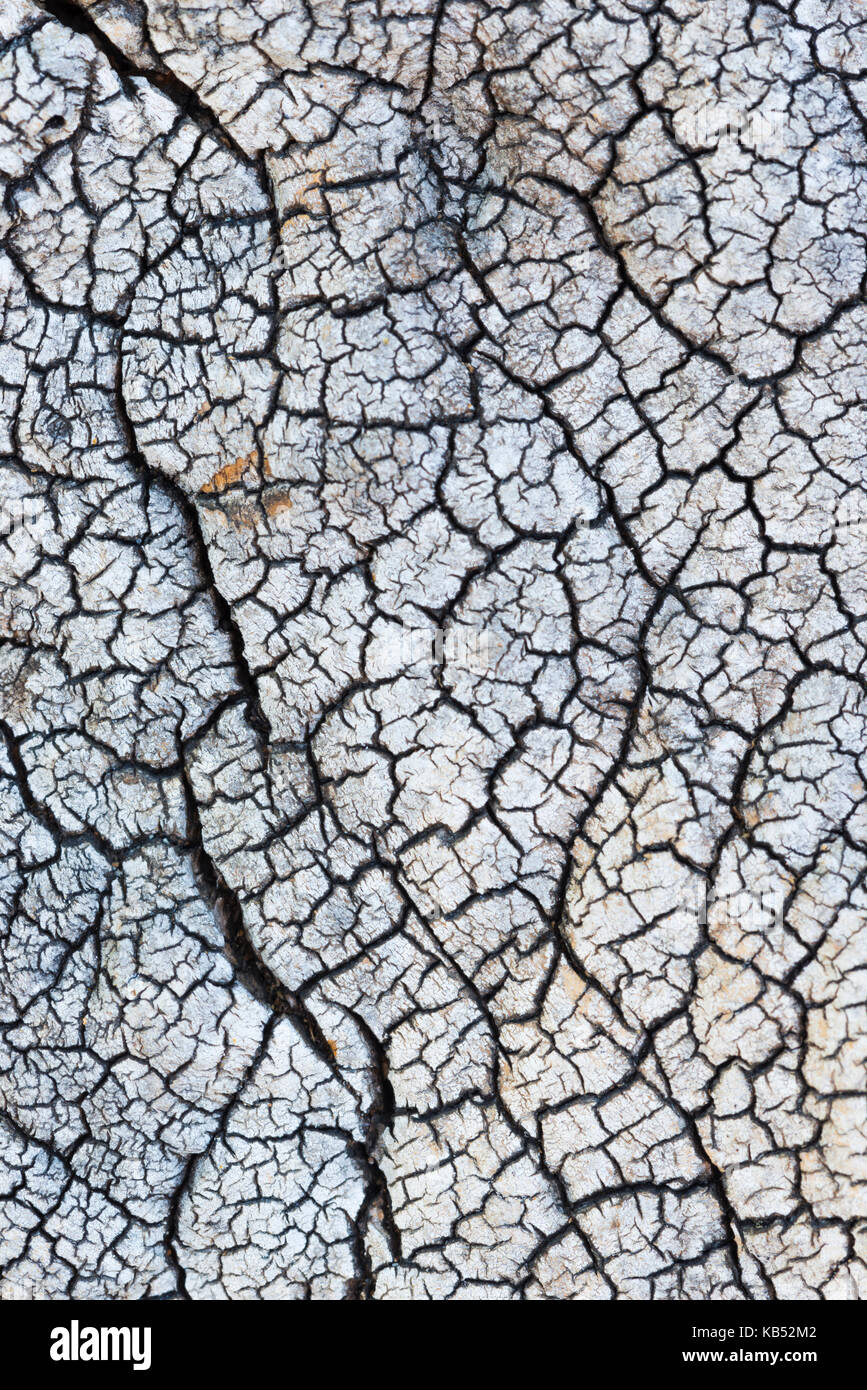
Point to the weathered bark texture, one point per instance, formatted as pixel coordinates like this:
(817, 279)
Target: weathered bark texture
(432, 678)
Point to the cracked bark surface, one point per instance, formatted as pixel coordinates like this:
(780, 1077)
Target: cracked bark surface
(328, 970)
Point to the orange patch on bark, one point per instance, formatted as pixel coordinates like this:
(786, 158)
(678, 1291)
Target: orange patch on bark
(232, 473)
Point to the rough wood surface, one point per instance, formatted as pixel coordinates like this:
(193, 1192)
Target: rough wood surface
(432, 649)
